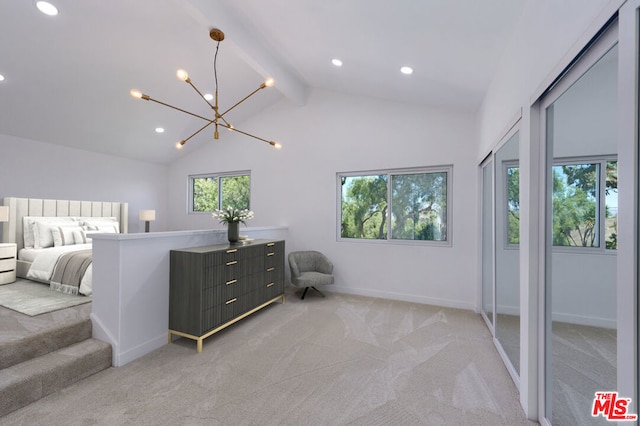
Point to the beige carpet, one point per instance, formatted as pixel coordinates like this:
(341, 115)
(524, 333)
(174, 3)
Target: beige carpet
(339, 360)
(584, 362)
(32, 298)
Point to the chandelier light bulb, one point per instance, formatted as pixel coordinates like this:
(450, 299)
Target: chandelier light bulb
(278, 145)
(406, 70)
(182, 75)
(135, 93)
(180, 144)
(230, 127)
(270, 82)
(47, 8)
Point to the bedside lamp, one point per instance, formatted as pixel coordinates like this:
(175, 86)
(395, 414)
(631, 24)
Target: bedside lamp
(147, 216)
(4, 213)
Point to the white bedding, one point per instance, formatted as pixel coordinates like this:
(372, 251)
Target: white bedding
(44, 262)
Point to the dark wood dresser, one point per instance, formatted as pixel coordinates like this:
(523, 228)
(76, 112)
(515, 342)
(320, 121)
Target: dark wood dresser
(213, 287)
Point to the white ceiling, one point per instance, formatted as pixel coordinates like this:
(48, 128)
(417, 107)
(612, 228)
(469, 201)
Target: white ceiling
(68, 77)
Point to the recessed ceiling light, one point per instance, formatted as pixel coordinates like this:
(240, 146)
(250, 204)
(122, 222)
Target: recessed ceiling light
(47, 8)
(336, 62)
(159, 130)
(1, 77)
(406, 70)
(208, 96)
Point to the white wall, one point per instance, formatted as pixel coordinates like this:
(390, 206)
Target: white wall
(546, 32)
(296, 187)
(33, 169)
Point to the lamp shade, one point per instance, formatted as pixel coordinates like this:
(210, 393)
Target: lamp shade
(147, 215)
(4, 213)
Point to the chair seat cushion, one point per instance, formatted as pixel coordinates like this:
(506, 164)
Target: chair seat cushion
(312, 279)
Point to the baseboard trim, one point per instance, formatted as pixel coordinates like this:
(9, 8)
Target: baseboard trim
(446, 303)
(142, 349)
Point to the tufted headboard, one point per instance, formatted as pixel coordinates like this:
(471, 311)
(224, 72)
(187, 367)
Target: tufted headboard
(12, 231)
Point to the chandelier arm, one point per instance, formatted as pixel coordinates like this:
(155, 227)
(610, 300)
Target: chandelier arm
(179, 109)
(245, 133)
(200, 93)
(262, 86)
(199, 130)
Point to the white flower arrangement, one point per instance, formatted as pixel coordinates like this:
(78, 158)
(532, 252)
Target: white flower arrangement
(231, 215)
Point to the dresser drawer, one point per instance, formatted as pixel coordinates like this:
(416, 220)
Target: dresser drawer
(7, 277)
(233, 307)
(7, 264)
(8, 251)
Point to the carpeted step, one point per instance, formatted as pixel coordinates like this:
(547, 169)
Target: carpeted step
(31, 380)
(16, 351)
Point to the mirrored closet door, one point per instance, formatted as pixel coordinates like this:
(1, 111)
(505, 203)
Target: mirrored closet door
(500, 249)
(580, 331)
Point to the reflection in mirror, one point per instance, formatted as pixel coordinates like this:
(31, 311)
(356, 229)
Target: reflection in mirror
(507, 253)
(487, 240)
(580, 305)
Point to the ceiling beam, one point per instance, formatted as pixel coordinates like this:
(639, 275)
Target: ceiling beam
(249, 46)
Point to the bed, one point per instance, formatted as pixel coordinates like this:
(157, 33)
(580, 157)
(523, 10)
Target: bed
(53, 238)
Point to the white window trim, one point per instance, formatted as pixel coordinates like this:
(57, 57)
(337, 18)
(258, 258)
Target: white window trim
(218, 176)
(602, 161)
(448, 169)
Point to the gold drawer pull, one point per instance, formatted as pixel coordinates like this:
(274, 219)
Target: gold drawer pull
(232, 251)
(271, 244)
(233, 262)
(271, 269)
(228, 302)
(270, 284)
(270, 254)
(231, 282)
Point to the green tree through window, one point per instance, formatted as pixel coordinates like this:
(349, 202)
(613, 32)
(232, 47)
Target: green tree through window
(577, 216)
(513, 204)
(220, 191)
(364, 207)
(414, 203)
(419, 206)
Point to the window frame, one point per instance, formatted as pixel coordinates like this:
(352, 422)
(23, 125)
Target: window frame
(506, 165)
(447, 169)
(218, 176)
(601, 161)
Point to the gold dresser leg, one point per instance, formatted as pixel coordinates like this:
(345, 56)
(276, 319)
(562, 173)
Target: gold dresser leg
(199, 345)
(170, 339)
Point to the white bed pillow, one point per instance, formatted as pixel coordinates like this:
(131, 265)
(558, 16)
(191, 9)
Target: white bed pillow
(29, 226)
(40, 236)
(64, 235)
(93, 223)
(80, 236)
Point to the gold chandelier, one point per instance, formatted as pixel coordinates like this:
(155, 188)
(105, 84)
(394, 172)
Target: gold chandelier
(219, 120)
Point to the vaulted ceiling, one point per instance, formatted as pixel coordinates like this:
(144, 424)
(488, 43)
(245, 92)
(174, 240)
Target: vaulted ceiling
(68, 77)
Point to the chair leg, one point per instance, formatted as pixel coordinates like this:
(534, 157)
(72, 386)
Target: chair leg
(321, 294)
(304, 293)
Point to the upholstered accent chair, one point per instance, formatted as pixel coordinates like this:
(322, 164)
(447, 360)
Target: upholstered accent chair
(310, 269)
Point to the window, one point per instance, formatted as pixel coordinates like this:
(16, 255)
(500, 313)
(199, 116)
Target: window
(585, 203)
(218, 191)
(513, 203)
(409, 205)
